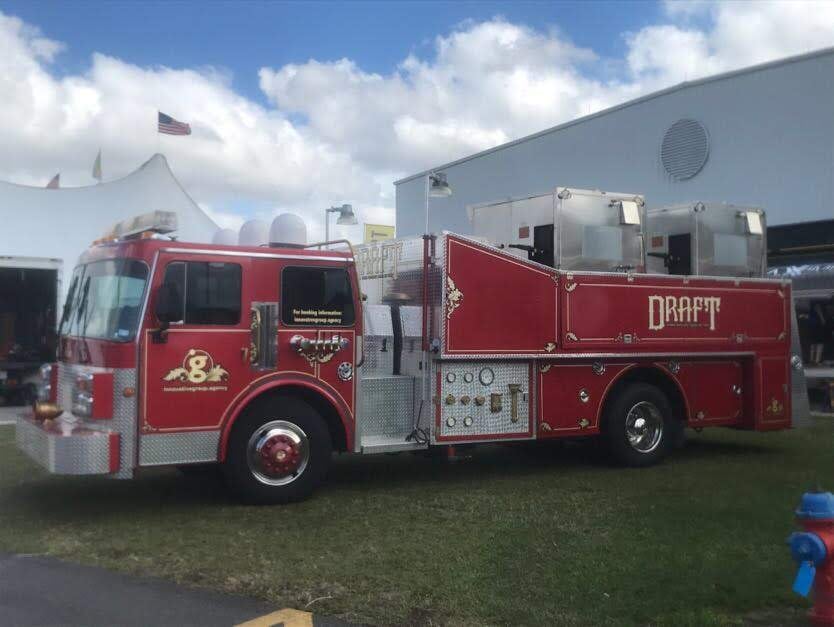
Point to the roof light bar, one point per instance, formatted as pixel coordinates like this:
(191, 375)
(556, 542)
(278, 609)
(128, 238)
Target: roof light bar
(154, 221)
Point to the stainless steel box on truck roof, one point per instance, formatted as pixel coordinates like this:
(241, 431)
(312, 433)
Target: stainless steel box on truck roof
(571, 229)
(703, 238)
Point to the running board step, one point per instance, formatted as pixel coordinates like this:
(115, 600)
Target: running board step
(389, 444)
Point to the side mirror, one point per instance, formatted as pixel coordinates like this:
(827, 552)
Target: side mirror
(169, 308)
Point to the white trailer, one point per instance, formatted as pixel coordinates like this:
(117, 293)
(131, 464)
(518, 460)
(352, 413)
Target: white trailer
(29, 292)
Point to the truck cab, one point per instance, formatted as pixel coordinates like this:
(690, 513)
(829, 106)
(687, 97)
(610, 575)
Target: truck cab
(164, 344)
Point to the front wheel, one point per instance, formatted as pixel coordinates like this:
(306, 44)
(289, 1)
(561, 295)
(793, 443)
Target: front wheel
(279, 452)
(639, 425)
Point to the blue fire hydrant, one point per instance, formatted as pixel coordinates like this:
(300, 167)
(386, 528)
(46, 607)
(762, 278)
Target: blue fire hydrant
(812, 549)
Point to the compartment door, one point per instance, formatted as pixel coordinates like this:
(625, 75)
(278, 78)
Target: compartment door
(497, 304)
(714, 391)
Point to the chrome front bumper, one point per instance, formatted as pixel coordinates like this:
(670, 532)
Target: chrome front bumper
(66, 447)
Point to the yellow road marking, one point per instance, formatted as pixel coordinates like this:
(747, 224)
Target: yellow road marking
(285, 617)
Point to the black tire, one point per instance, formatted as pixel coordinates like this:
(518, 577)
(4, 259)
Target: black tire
(631, 442)
(282, 415)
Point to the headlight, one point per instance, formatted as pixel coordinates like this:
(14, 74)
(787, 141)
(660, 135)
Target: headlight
(84, 382)
(45, 383)
(82, 405)
(82, 397)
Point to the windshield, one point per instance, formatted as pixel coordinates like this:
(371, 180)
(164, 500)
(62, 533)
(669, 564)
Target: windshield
(104, 300)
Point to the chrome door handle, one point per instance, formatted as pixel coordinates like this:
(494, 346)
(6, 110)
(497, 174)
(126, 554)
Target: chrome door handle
(318, 350)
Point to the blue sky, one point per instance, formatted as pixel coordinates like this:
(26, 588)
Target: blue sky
(297, 106)
(243, 36)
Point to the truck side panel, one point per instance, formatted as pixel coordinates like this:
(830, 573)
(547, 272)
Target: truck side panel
(652, 313)
(496, 303)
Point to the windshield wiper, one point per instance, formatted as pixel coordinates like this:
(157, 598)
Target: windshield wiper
(83, 312)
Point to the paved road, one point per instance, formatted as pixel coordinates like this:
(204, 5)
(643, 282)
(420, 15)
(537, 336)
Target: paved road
(42, 591)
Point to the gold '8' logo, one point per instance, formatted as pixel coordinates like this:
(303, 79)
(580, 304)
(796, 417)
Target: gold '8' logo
(197, 367)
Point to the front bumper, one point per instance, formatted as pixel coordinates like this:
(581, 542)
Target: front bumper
(66, 447)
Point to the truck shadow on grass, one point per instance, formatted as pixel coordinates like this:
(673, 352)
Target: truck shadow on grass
(571, 458)
(68, 499)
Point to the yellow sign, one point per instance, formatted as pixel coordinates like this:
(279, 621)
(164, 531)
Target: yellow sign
(378, 233)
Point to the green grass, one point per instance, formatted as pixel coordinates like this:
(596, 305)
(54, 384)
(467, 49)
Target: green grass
(514, 535)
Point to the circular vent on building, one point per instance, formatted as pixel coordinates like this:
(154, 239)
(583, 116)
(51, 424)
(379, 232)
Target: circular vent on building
(685, 149)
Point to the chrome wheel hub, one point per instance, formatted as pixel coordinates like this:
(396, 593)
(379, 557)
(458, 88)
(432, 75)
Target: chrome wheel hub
(278, 452)
(644, 427)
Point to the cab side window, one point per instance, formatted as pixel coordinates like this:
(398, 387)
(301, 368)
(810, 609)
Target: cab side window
(316, 296)
(210, 291)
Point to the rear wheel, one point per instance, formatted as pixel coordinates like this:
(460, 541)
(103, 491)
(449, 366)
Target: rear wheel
(279, 451)
(640, 427)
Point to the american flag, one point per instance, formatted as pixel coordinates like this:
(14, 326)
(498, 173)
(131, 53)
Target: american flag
(170, 126)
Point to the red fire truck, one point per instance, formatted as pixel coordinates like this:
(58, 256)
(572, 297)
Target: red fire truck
(267, 359)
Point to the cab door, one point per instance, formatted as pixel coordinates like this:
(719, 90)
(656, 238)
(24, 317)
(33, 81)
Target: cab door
(318, 325)
(192, 371)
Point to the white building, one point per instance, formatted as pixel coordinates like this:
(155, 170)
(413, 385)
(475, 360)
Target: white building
(62, 223)
(761, 136)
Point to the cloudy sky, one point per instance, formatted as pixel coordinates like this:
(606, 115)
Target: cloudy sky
(298, 106)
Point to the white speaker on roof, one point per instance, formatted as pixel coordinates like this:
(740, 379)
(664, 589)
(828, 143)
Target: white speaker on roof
(225, 237)
(288, 229)
(254, 233)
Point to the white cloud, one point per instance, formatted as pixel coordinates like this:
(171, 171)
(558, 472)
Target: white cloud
(224, 219)
(737, 34)
(483, 83)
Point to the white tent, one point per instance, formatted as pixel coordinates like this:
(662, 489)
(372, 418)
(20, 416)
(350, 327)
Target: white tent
(62, 223)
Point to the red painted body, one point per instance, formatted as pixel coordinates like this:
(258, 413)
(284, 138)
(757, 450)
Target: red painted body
(721, 345)
(103, 395)
(177, 407)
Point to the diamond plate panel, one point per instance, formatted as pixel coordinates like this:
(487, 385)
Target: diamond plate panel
(472, 379)
(124, 409)
(379, 356)
(87, 454)
(396, 268)
(386, 406)
(377, 319)
(379, 341)
(161, 449)
(412, 355)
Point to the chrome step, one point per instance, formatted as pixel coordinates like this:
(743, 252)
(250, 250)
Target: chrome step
(389, 444)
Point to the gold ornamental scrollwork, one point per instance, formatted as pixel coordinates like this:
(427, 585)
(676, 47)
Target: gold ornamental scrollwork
(775, 407)
(550, 347)
(571, 336)
(545, 368)
(321, 359)
(569, 287)
(453, 297)
(255, 331)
